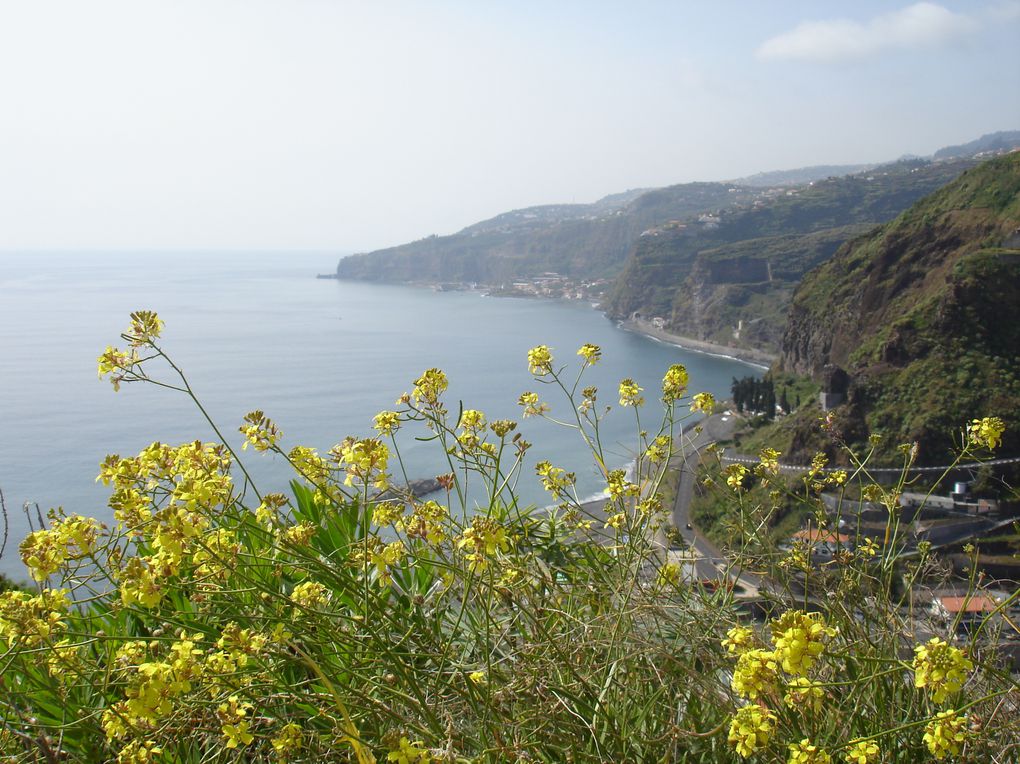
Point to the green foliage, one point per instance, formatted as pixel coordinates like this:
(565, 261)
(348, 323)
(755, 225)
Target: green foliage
(215, 623)
(924, 313)
(700, 279)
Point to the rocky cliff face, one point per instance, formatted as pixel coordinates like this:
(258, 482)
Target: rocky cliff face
(923, 313)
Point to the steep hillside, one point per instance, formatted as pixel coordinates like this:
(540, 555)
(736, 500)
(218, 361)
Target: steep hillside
(728, 278)
(579, 241)
(924, 315)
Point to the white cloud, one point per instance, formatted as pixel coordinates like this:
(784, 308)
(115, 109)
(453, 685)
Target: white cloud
(921, 25)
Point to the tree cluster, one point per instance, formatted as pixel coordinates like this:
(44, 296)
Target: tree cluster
(754, 395)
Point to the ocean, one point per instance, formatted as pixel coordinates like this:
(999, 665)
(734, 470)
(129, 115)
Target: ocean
(320, 357)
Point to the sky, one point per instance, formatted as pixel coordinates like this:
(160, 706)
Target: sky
(347, 126)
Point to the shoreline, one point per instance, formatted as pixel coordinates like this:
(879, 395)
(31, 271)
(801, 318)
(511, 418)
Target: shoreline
(758, 358)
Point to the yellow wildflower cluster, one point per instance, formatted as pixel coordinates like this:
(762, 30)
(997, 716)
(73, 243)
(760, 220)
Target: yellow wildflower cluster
(738, 640)
(659, 449)
(430, 386)
(805, 752)
(139, 752)
(145, 328)
(288, 741)
(804, 695)
(372, 555)
(555, 480)
(365, 461)
(986, 432)
(532, 406)
(768, 465)
(756, 674)
(618, 486)
(669, 574)
(68, 538)
(235, 726)
(310, 594)
(751, 728)
(800, 639)
(28, 620)
(386, 422)
(591, 353)
(946, 733)
(540, 360)
(674, 383)
(704, 402)
(630, 393)
(427, 521)
(260, 432)
(153, 687)
(735, 474)
(407, 752)
(940, 668)
(483, 540)
(862, 752)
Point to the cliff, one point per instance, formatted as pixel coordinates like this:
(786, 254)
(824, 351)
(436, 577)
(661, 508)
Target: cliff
(728, 277)
(923, 314)
(580, 241)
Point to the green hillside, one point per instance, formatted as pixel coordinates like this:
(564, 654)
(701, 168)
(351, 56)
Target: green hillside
(742, 265)
(924, 315)
(579, 241)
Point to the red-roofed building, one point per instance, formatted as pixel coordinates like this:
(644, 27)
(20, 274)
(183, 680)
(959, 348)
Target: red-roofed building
(951, 606)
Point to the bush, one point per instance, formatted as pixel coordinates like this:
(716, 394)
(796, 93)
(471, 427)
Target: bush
(213, 622)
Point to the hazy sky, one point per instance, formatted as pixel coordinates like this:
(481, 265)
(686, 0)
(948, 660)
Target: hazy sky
(342, 125)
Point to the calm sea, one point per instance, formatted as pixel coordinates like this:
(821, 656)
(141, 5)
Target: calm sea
(257, 330)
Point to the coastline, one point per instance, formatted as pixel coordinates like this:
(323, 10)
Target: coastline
(755, 357)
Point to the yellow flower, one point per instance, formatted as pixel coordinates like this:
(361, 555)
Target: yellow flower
(769, 464)
(145, 327)
(365, 460)
(806, 753)
(483, 540)
(288, 740)
(669, 574)
(630, 393)
(659, 449)
(735, 475)
(139, 752)
(310, 594)
(674, 384)
(478, 677)
(987, 432)
(862, 752)
(945, 734)
(591, 353)
(387, 513)
(802, 693)
(555, 480)
(407, 752)
(738, 640)
(757, 673)
(119, 365)
(259, 432)
(387, 422)
(472, 420)
(28, 620)
(235, 725)
(703, 402)
(750, 729)
(941, 668)
(616, 521)
(429, 386)
(800, 638)
(531, 405)
(540, 360)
